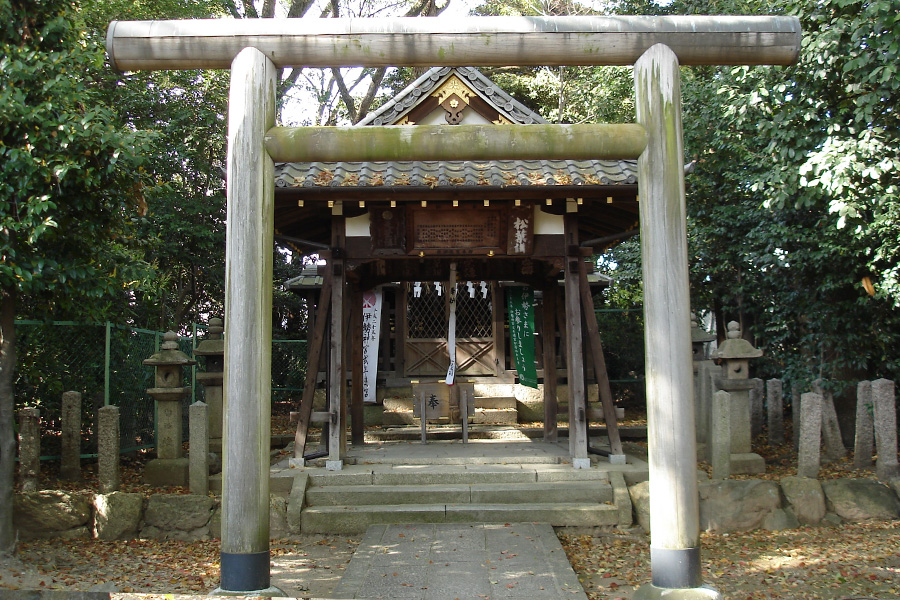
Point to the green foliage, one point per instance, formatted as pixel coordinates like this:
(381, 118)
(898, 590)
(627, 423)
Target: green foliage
(181, 228)
(793, 201)
(70, 178)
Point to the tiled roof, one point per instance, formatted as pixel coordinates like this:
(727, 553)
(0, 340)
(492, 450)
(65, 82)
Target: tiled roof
(390, 112)
(445, 174)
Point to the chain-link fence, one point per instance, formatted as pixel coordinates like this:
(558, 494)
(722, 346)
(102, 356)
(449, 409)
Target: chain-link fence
(104, 362)
(622, 335)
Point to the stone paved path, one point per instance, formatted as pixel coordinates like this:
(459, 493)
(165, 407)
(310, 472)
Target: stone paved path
(467, 561)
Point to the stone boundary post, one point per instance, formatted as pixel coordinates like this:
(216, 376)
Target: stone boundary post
(885, 403)
(199, 448)
(864, 442)
(831, 430)
(108, 446)
(70, 461)
(775, 411)
(721, 435)
(757, 412)
(808, 458)
(29, 448)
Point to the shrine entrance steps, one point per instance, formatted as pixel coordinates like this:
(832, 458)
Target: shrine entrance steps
(488, 481)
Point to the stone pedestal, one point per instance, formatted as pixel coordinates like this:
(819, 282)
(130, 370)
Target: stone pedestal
(169, 468)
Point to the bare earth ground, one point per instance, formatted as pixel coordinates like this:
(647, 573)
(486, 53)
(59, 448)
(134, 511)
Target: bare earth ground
(851, 561)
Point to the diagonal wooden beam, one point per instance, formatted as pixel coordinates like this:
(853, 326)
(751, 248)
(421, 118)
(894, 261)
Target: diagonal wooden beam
(312, 368)
(593, 336)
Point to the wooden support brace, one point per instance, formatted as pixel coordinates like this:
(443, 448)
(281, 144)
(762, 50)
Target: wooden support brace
(593, 335)
(312, 367)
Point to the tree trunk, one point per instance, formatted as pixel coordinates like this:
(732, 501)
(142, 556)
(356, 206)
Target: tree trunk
(7, 410)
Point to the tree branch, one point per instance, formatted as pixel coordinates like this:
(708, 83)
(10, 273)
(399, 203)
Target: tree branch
(345, 93)
(366, 102)
(250, 10)
(298, 8)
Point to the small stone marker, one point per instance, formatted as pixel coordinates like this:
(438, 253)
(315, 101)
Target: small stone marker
(198, 457)
(756, 408)
(864, 442)
(885, 429)
(831, 430)
(70, 461)
(775, 411)
(707, 373)
(808, 457)
(29, 448)
(721, 435)
(108, 447)
(795, 413)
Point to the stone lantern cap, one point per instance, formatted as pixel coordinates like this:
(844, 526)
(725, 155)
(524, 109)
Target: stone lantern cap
(169, 354)
(736, 347)
(213, 344)
(698, 335)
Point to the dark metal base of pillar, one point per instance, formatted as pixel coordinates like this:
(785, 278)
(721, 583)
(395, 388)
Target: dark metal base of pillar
(245, 572)
(675, 567)
(269, 592)
(651, 592)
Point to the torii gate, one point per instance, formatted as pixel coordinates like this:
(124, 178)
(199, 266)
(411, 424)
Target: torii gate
(255, 48)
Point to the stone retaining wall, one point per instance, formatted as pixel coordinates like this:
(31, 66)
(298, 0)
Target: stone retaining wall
(728, 505)
(120, 515)
(732, 505)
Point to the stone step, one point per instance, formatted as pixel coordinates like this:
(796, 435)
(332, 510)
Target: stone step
(356, 519)
(495, 416)
(485, 493)
(495, 403)
(453, 475)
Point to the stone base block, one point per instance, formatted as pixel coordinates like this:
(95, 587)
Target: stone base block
(269, 592)
(651, 592)
(162, 472)
(748, 463)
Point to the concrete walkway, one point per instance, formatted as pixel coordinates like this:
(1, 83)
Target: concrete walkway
(466, 561)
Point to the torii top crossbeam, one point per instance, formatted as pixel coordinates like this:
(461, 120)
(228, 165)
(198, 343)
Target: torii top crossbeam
(422, 41)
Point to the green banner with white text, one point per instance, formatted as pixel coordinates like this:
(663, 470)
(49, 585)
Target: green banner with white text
(520, 311)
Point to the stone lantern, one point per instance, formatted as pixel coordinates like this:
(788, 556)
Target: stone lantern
(213, 348)
(170, 467)
(734, 355)
(702, 368)
(699, 339)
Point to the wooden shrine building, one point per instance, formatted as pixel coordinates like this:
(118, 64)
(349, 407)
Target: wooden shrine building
(405, 225)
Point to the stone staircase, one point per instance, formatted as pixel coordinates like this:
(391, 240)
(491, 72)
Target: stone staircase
(349, 501)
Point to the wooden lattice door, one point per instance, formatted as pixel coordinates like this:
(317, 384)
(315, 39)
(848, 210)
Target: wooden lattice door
(426, 325)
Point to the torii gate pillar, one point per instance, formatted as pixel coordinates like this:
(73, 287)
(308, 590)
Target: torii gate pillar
(248, 320)
(674, 503)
